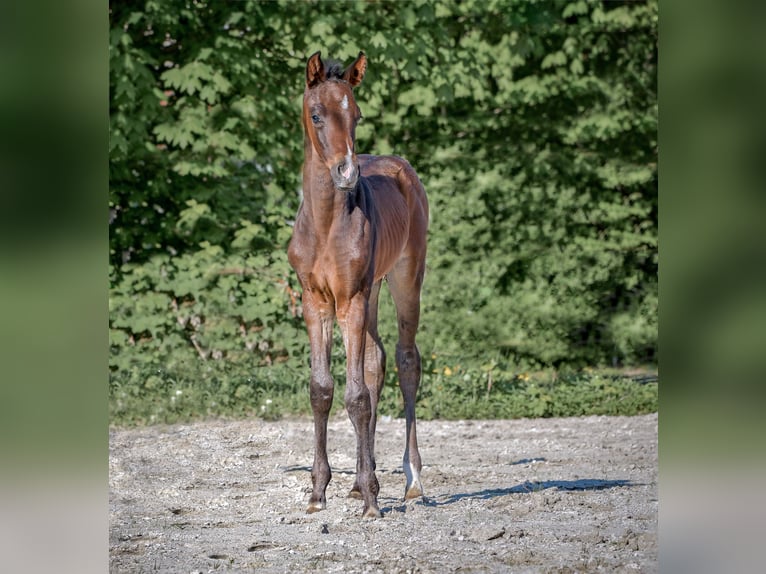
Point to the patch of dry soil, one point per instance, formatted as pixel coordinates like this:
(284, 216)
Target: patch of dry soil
(533, 495)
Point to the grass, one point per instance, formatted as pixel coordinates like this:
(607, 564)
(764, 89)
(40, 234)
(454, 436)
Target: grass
(219, 390)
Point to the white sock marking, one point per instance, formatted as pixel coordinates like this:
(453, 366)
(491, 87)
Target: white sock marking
(412, 475)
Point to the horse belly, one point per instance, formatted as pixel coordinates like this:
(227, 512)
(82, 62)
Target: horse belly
(398, 199)
(392, 235)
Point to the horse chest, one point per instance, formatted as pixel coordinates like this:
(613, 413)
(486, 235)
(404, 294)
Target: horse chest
(338, 263)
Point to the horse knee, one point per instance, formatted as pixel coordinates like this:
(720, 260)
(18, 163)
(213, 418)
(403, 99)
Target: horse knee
(358, 403)
(321, 391)
(407, 359)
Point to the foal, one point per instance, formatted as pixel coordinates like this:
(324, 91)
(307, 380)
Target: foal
(363, 218)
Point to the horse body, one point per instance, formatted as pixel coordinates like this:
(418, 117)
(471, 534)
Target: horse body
(362, 219)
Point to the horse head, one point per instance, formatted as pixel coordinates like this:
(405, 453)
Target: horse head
(330, 116)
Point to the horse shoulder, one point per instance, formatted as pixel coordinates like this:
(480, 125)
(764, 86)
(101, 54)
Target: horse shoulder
(304, 253)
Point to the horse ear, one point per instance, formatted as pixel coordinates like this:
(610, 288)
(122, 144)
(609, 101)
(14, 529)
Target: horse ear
(315, 70)
(355, 72)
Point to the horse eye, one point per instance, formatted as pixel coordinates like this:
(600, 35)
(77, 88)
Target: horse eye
(316, 119)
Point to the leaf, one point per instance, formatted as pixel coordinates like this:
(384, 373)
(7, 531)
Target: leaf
(192, 214)
(378, 40)
(553, 60)
(575, 9)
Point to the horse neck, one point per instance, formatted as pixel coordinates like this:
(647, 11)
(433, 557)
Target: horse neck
(323, 202)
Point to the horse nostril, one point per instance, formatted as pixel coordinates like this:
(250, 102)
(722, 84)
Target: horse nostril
(349, 169)
(345, 173)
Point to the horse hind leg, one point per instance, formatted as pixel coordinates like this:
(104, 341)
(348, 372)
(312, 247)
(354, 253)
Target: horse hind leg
(374, 374)
(408, 363)
(405, 282)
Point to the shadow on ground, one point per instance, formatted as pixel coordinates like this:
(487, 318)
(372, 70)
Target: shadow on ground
(582, 484)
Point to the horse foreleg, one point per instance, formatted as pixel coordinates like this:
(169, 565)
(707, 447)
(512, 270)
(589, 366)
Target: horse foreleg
(353, 322)
(319, 325)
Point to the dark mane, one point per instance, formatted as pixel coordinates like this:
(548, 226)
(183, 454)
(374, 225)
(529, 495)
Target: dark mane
(333, 69)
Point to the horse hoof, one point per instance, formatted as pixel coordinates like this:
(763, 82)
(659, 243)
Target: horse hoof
(414, 491)
(355, 493)
(372, 512)
(315, 507)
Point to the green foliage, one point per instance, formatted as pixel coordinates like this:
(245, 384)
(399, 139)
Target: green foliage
(225, 389)
(533, 126)
(491, 392)
(204, 306)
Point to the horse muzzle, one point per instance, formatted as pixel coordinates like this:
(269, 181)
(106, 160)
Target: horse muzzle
(345, 175)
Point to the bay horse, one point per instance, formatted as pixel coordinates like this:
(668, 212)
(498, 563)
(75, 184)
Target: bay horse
(362, 218)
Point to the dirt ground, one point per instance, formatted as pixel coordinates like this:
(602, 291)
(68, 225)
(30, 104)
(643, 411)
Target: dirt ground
(534, 495)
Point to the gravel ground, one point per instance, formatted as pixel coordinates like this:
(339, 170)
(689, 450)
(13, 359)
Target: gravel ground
(531, 495)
